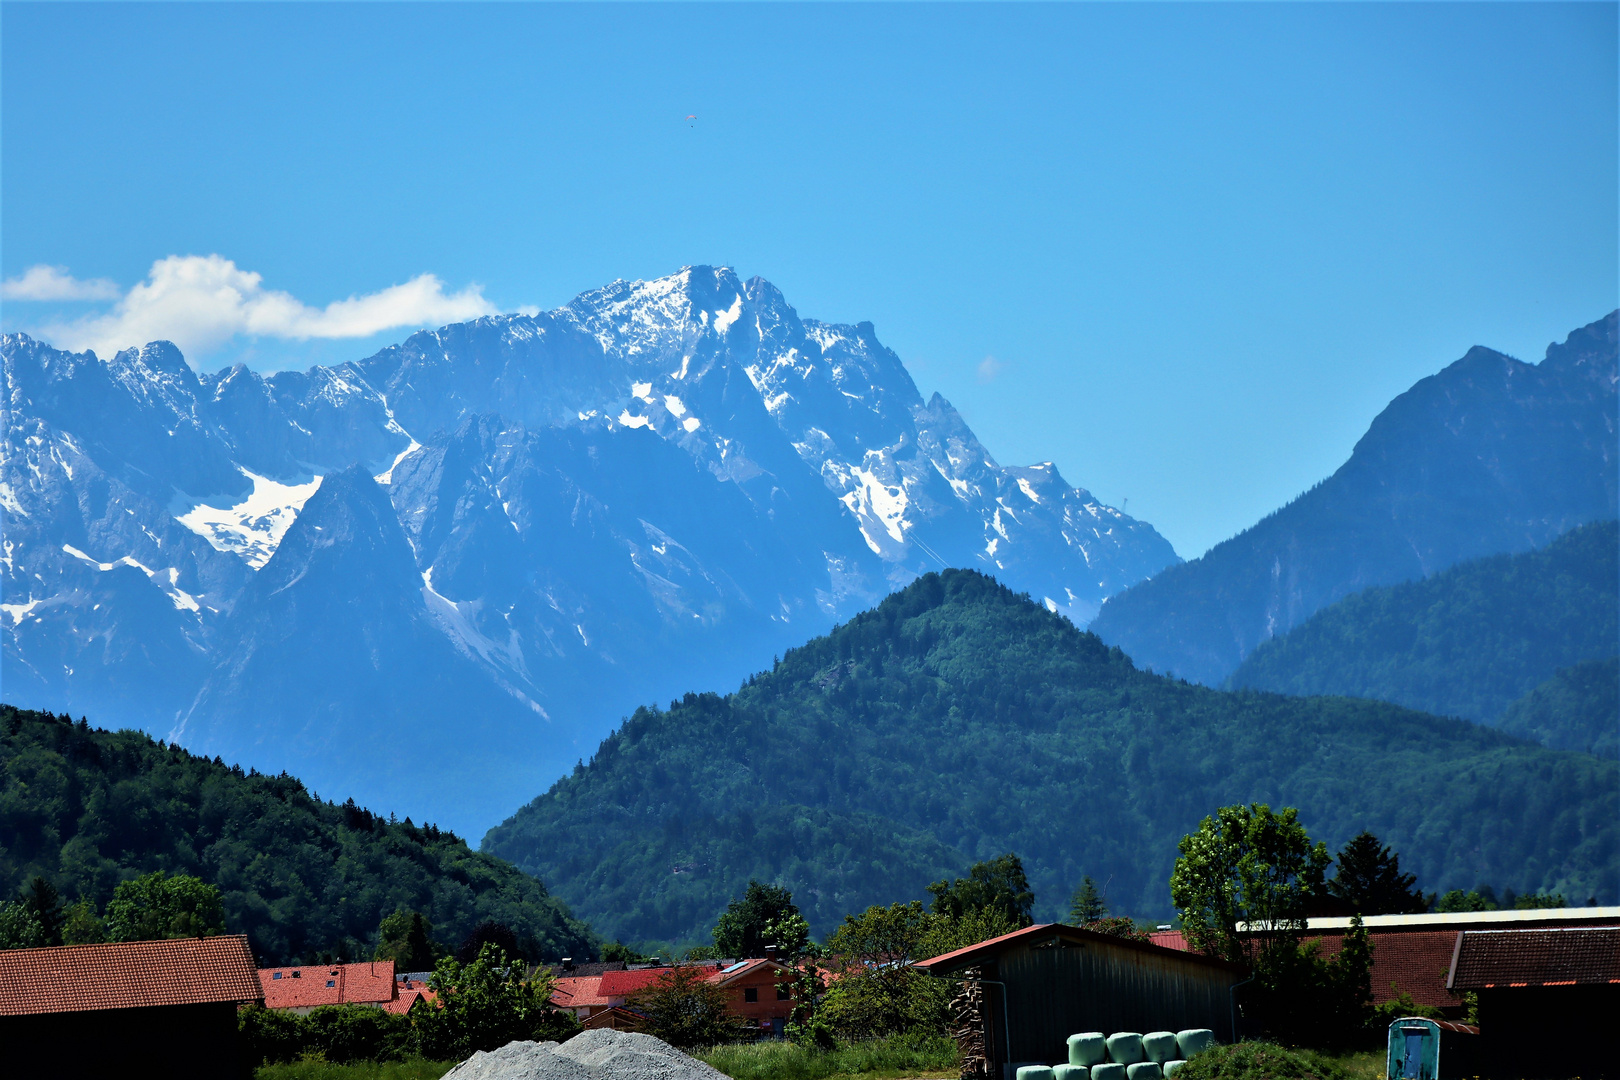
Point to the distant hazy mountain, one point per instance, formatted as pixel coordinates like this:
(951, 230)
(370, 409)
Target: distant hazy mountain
(957, 721)
(1466, 642)
(436, 577)
(1489, 456)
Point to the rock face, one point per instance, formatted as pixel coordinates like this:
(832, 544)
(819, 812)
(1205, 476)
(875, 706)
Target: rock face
(1489, 456)
(451, 567)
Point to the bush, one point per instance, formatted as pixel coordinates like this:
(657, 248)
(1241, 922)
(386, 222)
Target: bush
(270, 1035)
(686, 1010)
(1260, 1061)
(904, 1055)
(345, 1033)
(486, 1004)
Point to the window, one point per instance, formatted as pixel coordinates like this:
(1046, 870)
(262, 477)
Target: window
(751, 993)
(331, 982)
(781, 993)
(277, 975)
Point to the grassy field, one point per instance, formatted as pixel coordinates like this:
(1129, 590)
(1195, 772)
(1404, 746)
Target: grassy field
(415, 1069)
(878, 1059)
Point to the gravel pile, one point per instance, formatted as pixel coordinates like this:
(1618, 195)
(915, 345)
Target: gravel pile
(590, 1055)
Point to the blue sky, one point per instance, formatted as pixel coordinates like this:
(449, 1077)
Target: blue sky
(1185, 252)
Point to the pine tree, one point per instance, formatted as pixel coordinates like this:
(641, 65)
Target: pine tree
(1369, 879)
(1088, 905)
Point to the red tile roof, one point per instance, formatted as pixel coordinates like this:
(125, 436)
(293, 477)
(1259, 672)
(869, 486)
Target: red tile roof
(127, 975)
(578, 992)
(962, 957)
(409, 996)
(1414, 961)
(369, 983)
(1490, 958)
(621, 984)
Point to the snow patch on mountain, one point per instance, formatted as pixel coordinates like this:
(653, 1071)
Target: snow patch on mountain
(252, 528)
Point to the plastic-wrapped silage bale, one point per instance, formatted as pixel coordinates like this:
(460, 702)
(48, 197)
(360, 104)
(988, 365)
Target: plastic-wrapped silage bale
(1160, 1046)
(1108, 1070)
(1070, 1072)
(1125, 1047)
(1144, 1070)
(1173, 1067)
(1194, 1041)
(1088, 1048)
(1035, 1072)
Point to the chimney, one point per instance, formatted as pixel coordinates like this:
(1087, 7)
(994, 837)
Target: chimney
(770, 952)
(568, 963)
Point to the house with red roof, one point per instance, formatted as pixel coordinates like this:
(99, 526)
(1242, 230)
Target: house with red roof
(751, 986)
(301, 989)
(126, 1009)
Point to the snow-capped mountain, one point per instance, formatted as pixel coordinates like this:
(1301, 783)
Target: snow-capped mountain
(430, 577)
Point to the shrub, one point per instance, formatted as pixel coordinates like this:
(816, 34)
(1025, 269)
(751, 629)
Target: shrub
(685, 1009)
(1260, 1061)
(485, 1005)
(345, 1033)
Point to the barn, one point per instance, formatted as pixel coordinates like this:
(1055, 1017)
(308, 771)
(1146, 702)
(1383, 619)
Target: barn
(1026, 992)
(135, 1008)
(1545, 998)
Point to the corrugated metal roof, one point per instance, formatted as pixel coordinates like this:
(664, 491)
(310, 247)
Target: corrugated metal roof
(127, 975)
(1458, 920)
(1485, 959)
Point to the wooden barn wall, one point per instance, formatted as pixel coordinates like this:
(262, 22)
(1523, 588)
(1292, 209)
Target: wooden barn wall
(1056, 992)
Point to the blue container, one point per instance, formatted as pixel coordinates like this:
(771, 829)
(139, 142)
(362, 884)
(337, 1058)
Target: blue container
(1421, 1049)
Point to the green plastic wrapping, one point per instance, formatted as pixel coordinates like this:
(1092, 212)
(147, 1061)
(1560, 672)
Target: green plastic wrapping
(1173, 1067)
(1035, 1072)
(1144, 1070)
(1088, 1048)
(1070, 1072)
(1194, 1041)
(1160, 1046)
(1108, 1070)
(1125, 1047)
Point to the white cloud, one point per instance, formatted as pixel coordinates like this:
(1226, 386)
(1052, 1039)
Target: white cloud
(199, 302)
(989, 368)
(55, 283)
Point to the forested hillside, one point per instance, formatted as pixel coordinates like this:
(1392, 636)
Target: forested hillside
(958, 720)
(86, 809)
(1466, 642)
(1577, 709)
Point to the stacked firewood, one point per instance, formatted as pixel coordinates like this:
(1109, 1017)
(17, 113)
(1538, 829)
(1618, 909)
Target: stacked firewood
(967, 1026)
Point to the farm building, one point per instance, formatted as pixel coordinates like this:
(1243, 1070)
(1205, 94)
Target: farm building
(1412, 953)
(1026, 992)
(1545, 997)
(124, 1009)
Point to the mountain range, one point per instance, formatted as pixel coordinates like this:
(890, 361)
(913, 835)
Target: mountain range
(1489, 456)
(438, 575)
(1468, 641)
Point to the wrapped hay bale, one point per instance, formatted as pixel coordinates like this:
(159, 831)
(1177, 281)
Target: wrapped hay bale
(1070, 1072)
(1108, 1070)
(1035, 1072)
(1144, 1070)
(1125, 1047)
(1088, 1048)
(1160, 1046)
(1173, 1067)
(1194, 1041)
